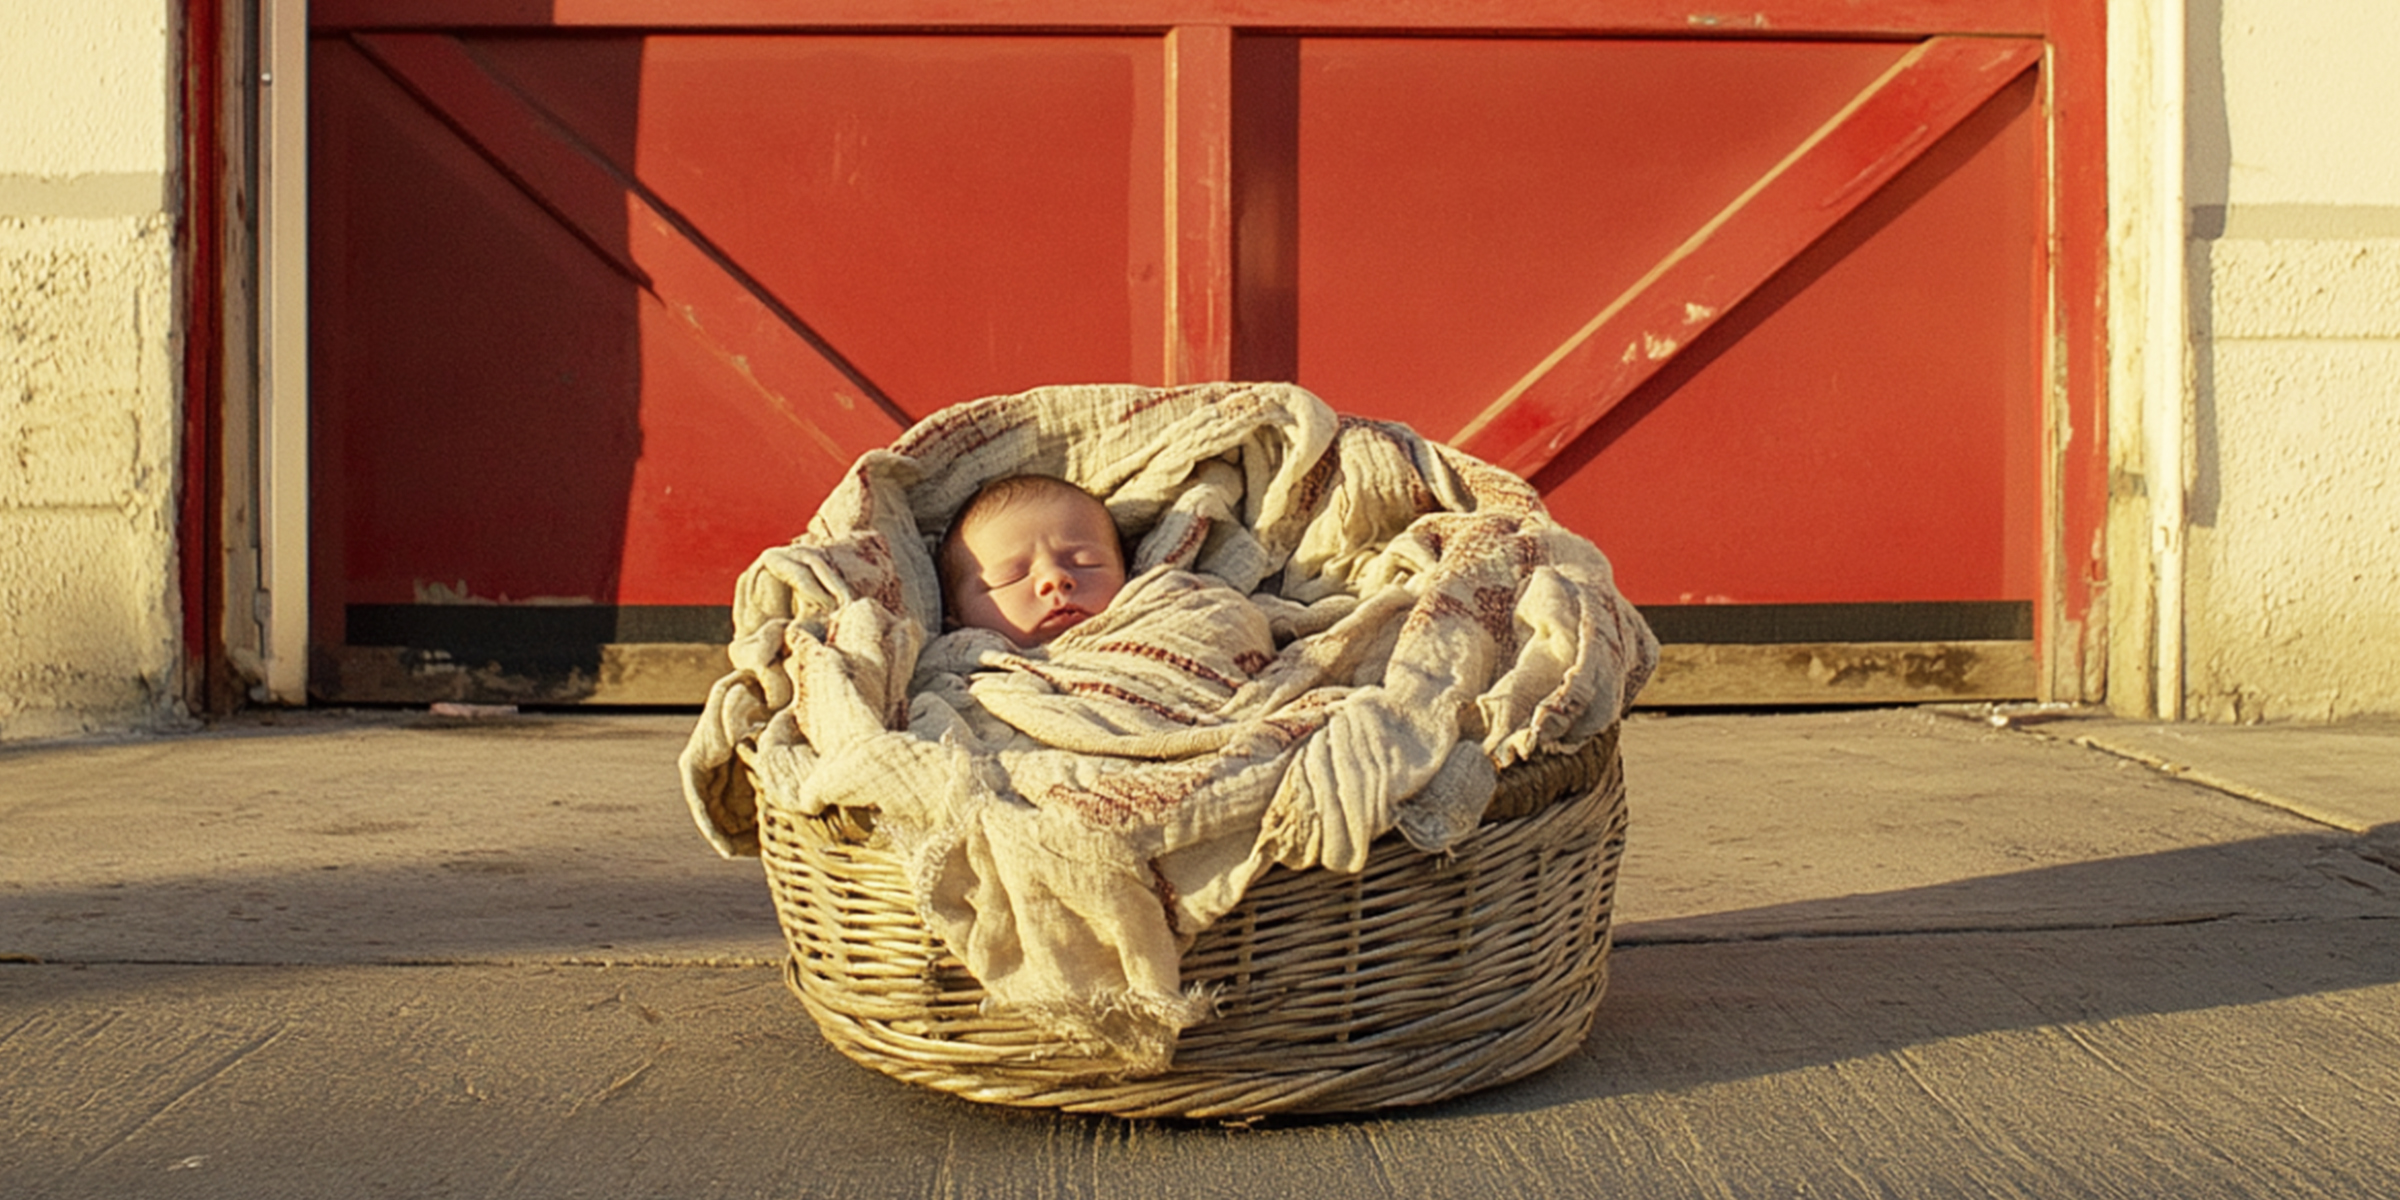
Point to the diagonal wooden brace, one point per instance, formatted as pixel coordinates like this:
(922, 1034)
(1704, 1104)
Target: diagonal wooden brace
(1874, 137)
(697, 286)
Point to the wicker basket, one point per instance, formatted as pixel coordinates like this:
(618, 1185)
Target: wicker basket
(1421, 978)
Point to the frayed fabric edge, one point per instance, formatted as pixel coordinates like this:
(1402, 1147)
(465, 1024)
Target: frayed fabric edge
(1128, 1035)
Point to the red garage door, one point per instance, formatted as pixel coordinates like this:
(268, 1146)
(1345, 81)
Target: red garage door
(1793, 315)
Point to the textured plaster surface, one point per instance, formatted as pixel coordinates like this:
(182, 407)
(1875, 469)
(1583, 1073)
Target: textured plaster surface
(2308, 92)
(2295, 547)
(2305, 290)
(84, 87)
(88, 434)
(2293, 591)
(88, 425)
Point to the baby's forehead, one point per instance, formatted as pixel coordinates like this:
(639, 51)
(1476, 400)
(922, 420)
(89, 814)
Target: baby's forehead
(1054, 507)
(1059, 500)
(1029, 506)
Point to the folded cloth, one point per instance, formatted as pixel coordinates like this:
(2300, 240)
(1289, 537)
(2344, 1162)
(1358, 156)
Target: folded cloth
(1337, 629)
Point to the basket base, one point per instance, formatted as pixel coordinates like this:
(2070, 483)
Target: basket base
(1419, 979)
(1471, 1064)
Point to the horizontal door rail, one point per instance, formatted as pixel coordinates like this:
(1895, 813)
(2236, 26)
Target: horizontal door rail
(1750, 18)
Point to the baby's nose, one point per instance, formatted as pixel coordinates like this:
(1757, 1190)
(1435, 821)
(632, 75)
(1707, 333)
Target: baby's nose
(1055, 579)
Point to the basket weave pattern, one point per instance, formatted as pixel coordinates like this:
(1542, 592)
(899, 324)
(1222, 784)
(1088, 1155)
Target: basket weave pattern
(1421, 978)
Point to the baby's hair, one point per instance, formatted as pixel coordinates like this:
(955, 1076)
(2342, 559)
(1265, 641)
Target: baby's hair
(998, 496)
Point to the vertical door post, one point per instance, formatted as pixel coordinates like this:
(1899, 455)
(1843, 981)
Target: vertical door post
(282, 597)
(1199, 195)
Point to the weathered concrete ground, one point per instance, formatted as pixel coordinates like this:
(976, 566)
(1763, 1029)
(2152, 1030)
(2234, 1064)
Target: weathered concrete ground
(1861, 954)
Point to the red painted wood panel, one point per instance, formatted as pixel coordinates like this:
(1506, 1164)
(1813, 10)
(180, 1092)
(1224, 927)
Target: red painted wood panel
(476, 393)
(1868, 426)
(1867, 429)
(1466, 207)
(959, 216)
(601, 317)
(1840, 166)
(609, 291)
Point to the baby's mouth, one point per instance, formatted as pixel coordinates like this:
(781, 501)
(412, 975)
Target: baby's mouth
(1064, 617)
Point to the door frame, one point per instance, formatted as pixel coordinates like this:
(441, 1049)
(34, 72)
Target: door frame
(283, 424)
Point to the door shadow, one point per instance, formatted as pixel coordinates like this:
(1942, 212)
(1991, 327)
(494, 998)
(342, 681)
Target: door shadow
(1743, 994)
(477, 361)
(1705, 999)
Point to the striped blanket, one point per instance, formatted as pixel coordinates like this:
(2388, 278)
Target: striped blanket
(1336, 629)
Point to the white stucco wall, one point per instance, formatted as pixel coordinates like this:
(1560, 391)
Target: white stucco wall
(89, 606)
(2293, 102)
(2293, 593)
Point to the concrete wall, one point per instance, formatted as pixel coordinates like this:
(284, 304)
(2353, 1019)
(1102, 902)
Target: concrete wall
(2293, 169)
(89, 426)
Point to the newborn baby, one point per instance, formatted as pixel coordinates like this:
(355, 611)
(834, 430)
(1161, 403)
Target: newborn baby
(1029, 558)
(1159, 658)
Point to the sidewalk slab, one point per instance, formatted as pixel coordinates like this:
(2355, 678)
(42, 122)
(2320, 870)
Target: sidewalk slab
(1898, 820)
(388, 837)
(2160, 1061)
(391, 837)
(2344, 774)
(1862, 954)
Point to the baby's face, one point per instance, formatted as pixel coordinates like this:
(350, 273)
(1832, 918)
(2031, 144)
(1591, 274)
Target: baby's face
(1038, 568)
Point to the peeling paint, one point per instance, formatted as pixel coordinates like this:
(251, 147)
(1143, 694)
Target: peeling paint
(1945, 669)
(1727, 20)
(1695, 312)
(437, 592)
(1702, 675)
(661, 673)
(1655, 348)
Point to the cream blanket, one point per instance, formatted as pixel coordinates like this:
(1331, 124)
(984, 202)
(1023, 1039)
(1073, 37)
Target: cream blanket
(1337, 629)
